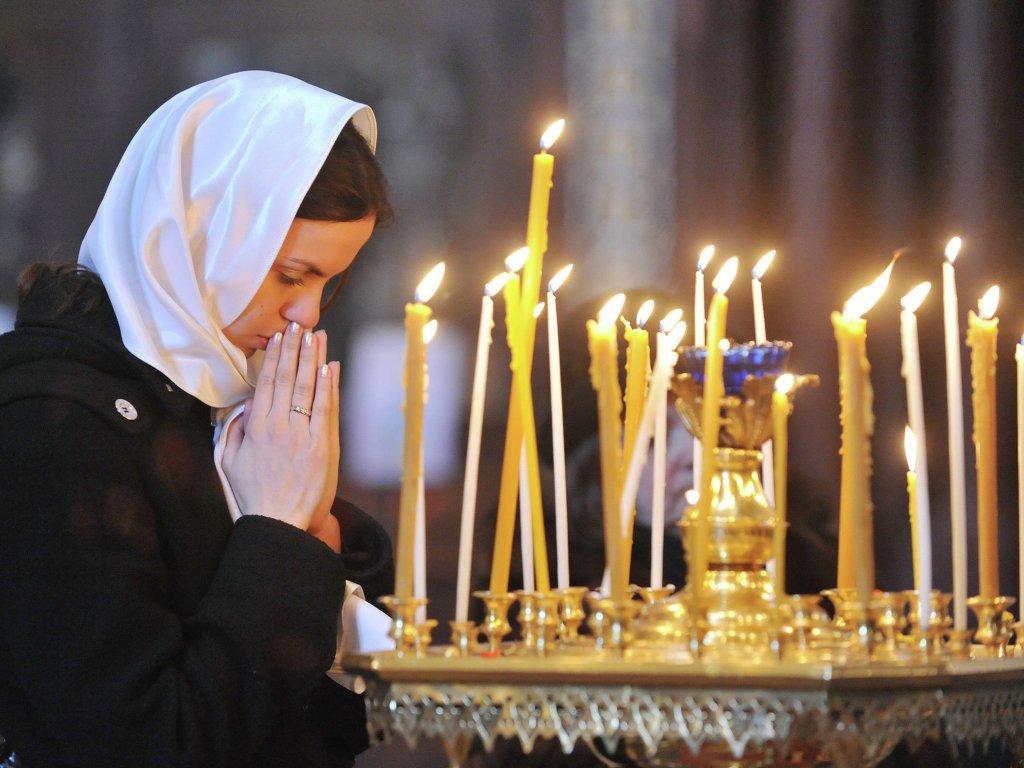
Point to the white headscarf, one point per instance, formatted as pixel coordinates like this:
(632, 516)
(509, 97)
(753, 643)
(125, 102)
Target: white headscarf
(197, 211)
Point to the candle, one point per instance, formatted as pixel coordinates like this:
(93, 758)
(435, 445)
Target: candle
(417, 315)
(1019, 354)
(981, 338)
(781, 408)
(910, 449)
(714, 389)
(558, 432)
(921, 528)
(761, 337)
(525, 527)
(699, 328)
(603, 343)
(504, 528)
(671, 321)
(476, 420)
(955, 418)
(638, 369)
(856, 535)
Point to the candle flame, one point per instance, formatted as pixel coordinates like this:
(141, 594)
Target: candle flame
(725, 275)
(762, 265)
(785, 383)
(910, 447)
(913, 300)
(429, 330)
(989, 303)
(705, 257)
(537, 310)
(556, 282)
(864, 299)
(675, 336)
(723, 344)
(551, 134)
(515, 260)
(671, 320)
(644, 313)
(610, 311)
(428, 285)
(953, 249)
(496, 284)
(692, 496)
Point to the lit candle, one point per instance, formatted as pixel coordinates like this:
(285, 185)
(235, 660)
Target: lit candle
(504, 528)
(1019, 354)
(665, 346)
(955, 418)
(699, 328)
(781, 408)
(604, 376)
(981, 338)
(417, 315)
(921, 512)
(910, 449)
(761, 337)
(558, 431)
(476, 420)
(714, 389)
(856, 535)
(638, 370)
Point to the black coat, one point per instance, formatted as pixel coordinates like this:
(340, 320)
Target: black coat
(139, 626)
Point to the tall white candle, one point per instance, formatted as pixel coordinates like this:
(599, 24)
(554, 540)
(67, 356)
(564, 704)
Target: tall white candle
(761, 337)
(955, 414)
(558, 432)
(1019, 354)
(525, 525)
(699, 326)
(668, 323)
(915, 413)
(476, 420)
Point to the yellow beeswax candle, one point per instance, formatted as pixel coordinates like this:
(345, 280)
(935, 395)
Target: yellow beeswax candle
(982, 329)
(910, 448)
(638, 369)
(417, 315)
(604, 377)
(781, 408)
(714, 389)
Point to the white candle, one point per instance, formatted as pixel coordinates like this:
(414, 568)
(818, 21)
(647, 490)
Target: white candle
(558, 432)
(668, 323)
(955, 417)
(915, 413)
(476, 420)
(761, 337)
(525, 524)
(1020, 472)
(699, 325)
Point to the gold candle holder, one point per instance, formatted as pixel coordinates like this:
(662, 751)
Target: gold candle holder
(651, 595)
(403, 622)
(464, 637)
(571, 613)
(616, 623)
(1018, 638)
(527, 618)
(806, 634)
(993, 628)
(959, 643)
(546, 621)
(886, 612)
(929, 640)
(839, 597)
(856, 619)
(495, 624)
(424, 635)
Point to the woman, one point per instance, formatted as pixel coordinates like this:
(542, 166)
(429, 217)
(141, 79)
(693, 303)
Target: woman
(174, 557)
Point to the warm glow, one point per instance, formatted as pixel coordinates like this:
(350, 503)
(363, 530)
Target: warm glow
(537, 310)
(705, 257)
(675, 336)
(671, 320)
(692, 496)
(864, 299)
(428, 285)
(762, 265)
(913, 300)
(785, 383)
(644, 313)
(723, 344)
(610, 311)
(551, 134)
(910, 447)
(496, 284)
(726, 275)
(515, 260)
(953, 249)
(989, 303)
(560, 277)
(429, 330)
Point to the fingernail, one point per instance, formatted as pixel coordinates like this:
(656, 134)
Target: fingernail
(307, 339)
(324, 370)
(276, 339)
(294, 328)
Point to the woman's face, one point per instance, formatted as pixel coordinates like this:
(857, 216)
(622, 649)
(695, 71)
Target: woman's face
(313, 252)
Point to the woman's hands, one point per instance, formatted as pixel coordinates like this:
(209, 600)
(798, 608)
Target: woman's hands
(281, 462)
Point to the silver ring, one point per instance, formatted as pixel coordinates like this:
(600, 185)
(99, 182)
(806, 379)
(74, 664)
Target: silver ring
(303, 411)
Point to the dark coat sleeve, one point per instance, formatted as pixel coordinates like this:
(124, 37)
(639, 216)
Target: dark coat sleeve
(89, 641)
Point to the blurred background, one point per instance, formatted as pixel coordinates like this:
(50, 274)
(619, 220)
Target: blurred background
(835, 132)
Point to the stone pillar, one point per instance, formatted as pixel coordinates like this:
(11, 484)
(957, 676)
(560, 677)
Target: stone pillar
(621, 185)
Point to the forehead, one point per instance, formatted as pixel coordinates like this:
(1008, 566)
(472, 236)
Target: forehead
(323, 247)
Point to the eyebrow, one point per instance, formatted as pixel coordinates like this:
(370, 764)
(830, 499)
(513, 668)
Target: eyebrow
(309, 266)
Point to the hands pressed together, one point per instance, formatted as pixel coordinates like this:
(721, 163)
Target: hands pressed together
(281, 458)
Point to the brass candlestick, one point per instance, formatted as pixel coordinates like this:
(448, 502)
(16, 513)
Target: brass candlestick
(527, 618)
(403, 622)
(993, 627)
(547, 621)
(616, 622)
(464, 637)
(495, 625)
(571, 613)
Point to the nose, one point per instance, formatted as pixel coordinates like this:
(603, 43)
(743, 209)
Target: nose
(304, 309)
